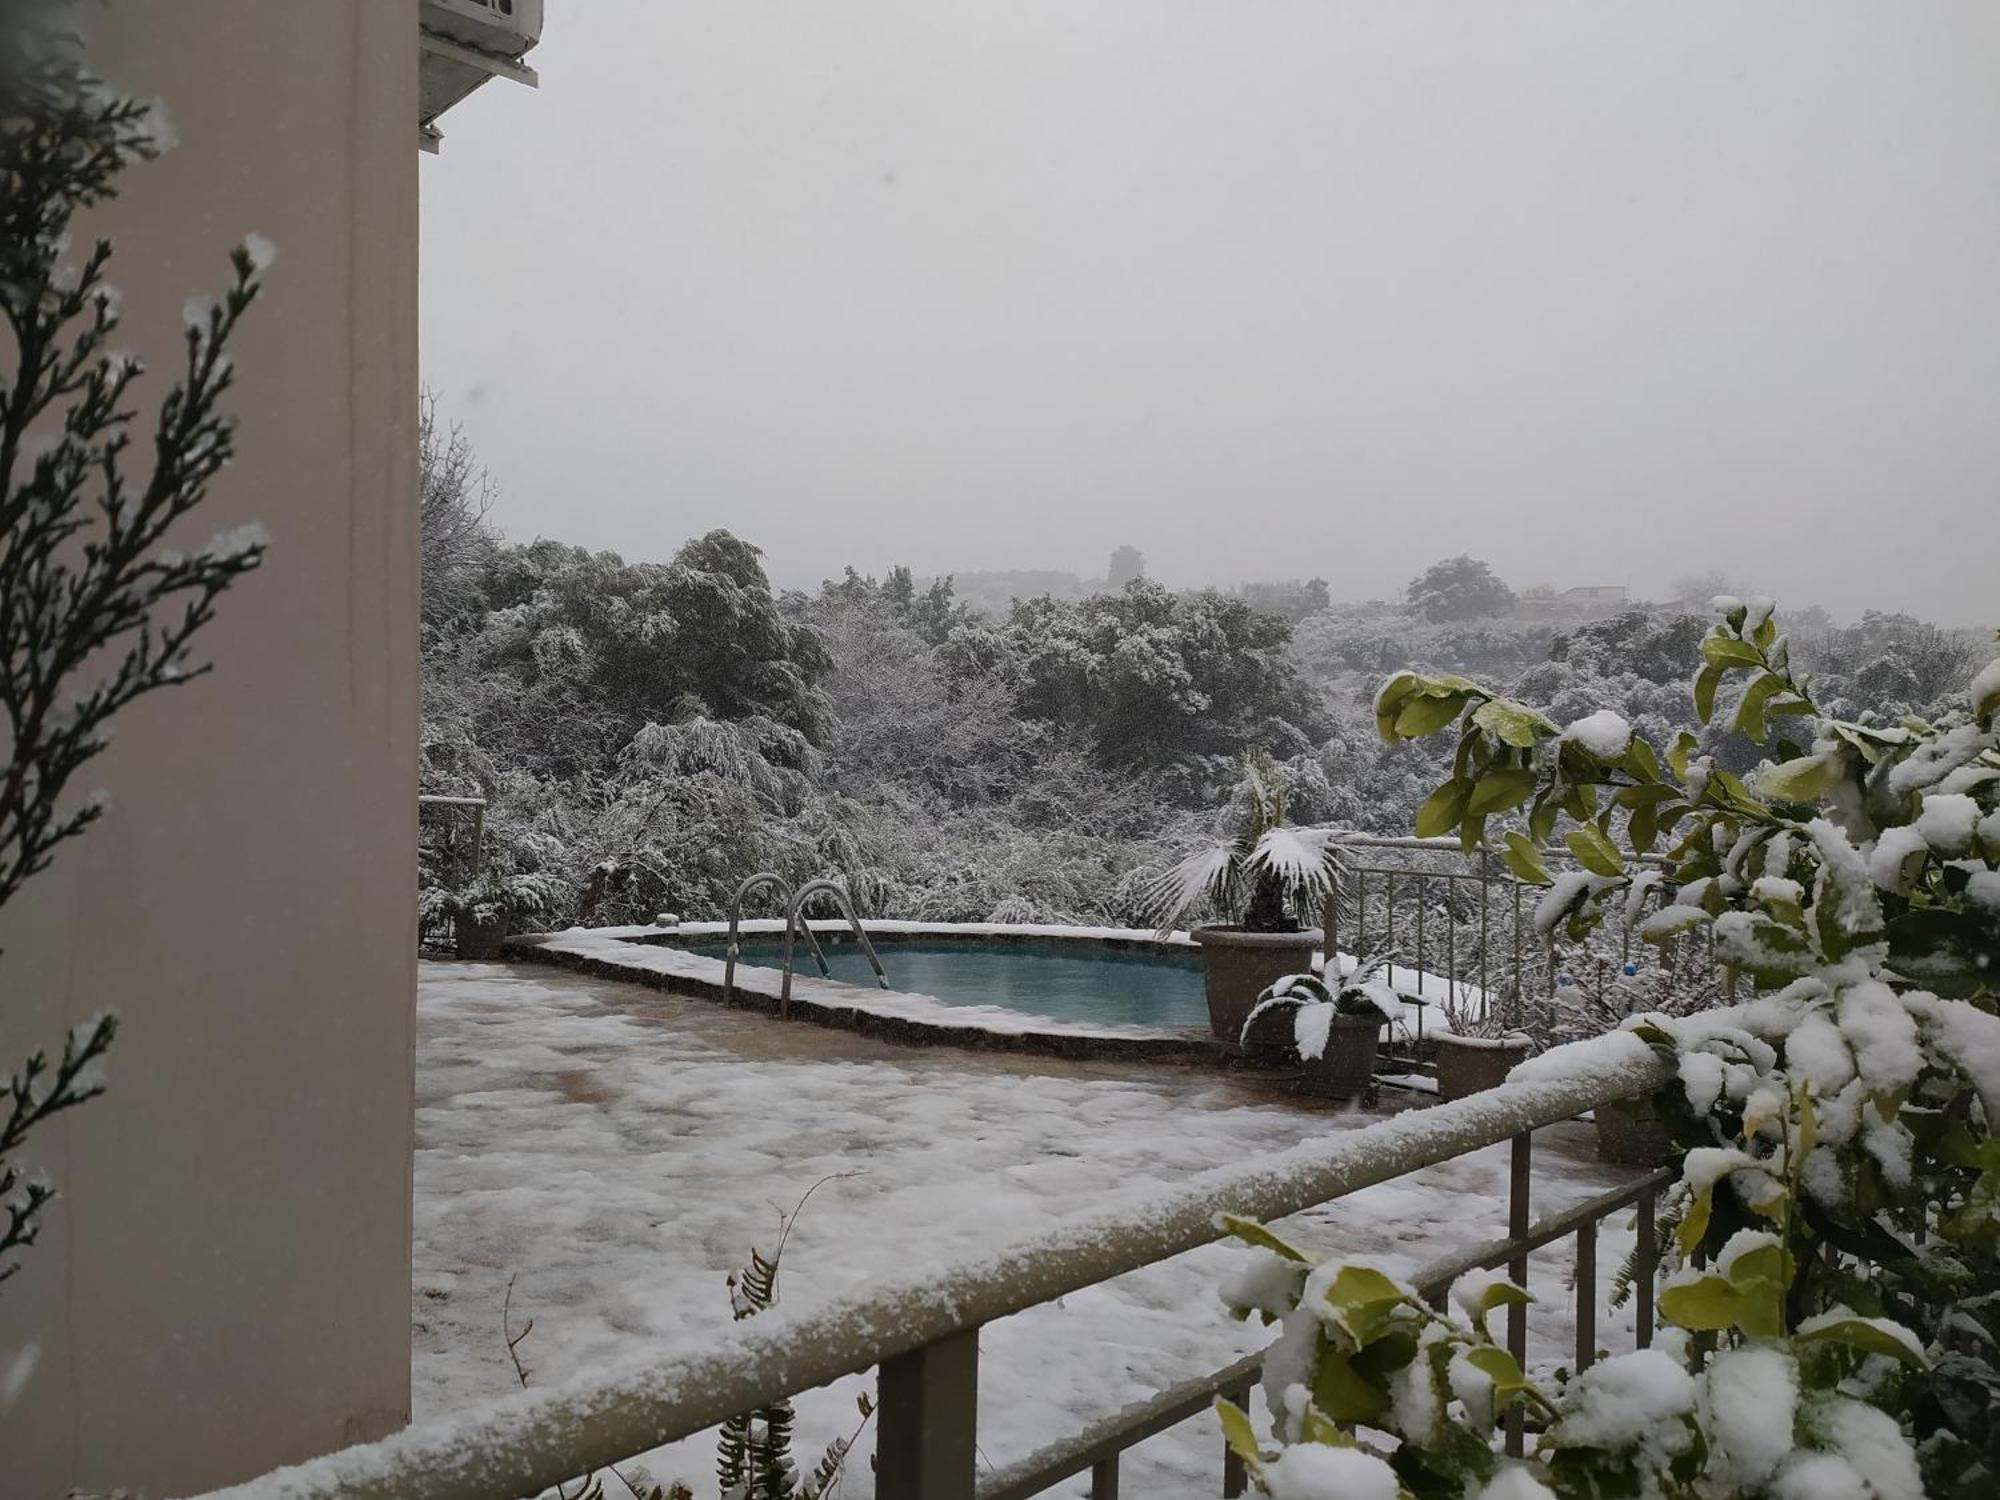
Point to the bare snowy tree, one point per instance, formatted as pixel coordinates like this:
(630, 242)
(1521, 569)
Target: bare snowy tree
(95, 611)
(454, 494)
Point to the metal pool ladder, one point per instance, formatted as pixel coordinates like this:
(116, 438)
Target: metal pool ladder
(795, 922)
(735, 949)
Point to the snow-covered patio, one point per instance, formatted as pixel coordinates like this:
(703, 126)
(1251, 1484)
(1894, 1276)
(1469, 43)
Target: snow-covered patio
(616, 1151)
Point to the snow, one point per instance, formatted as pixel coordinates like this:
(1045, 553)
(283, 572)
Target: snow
(1884, 1038)
(1810, 1475)
(1869, 1441)
(261, 251)
(618, 1150)
(1315, 1471)
(1947, 821)
(1893, 851)
(1561, 897)
(1986, 686)
(1604, 734)
(1628, 1401)
(1515, 1483)
(1750, 1397)
(1968, 1036)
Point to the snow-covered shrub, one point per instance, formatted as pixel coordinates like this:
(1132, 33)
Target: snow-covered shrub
(99, 610)
(1313, 1003)
(1837, 1219)
(1372, 1392)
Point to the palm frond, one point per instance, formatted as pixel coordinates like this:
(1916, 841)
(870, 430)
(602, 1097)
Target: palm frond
(1307, 863)
(1214, 873)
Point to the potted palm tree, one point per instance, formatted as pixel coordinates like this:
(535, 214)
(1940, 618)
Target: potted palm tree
(1276, 876)
(1336, 1033)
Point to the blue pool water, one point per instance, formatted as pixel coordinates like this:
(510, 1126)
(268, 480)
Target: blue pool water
(1069, 981)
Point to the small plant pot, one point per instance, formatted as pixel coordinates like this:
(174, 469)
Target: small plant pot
(1346, 1069)
(1238, 966)
(1469, 1065)
(473, 938)
(1631, 1133)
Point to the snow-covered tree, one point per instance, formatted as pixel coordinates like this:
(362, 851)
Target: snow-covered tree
(1458, 588)
(95, 609)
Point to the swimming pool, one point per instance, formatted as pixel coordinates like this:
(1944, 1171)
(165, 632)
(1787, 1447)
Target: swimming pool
(1069, 981)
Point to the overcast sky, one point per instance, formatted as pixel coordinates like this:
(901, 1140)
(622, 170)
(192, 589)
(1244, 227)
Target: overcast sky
(1264, 287)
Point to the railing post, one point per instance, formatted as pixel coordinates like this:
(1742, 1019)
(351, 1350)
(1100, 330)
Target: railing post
(1104, 1479)
(1586, 1296)
(928, 1421)
(1517, 1271)
(1643, 1272)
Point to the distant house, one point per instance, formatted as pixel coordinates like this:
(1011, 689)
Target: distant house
(1595, 595)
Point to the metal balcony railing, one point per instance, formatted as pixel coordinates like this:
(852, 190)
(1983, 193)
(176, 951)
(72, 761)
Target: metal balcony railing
(921, 1327)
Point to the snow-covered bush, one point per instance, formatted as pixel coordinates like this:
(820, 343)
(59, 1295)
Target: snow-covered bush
(1836, 1224)
(96, 610)
(1313, 1003)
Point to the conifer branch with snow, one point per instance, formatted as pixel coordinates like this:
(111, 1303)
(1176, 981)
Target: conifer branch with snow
(96, 611)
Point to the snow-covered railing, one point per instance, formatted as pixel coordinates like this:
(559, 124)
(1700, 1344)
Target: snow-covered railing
(1408, 894)
(922, 1327)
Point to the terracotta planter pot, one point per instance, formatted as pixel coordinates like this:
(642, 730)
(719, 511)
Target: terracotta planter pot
(1346, 1069)
(1632, 1134)
(1238, 966)
(472, 938)
(1472, 1064)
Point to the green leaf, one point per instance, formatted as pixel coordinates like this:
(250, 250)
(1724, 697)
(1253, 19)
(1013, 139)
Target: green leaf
(1706, 681)
(1866, 1336)
(1442, 809)
(1684, 748)
(1362, 1299)
(1594, 851)
(1497, 791)
(1500, 1367)
(1240, 1435)
(1343, 1392)
(1251, 1232)
(1723, 650)
(1389, 702)
(1426, 715)
(1513, 723)
(1499, 1294)
(1694, 1223)
(1806, 779)
(1750, 712)
(1525, 860)
(1641, 761)
(1643, 828)
(1707, 1304)
(1542, 819)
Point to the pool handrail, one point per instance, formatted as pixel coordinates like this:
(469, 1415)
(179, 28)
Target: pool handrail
(761, 878)
(795, 921)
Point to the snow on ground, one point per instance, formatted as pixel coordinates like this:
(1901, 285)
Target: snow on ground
(616, 1151)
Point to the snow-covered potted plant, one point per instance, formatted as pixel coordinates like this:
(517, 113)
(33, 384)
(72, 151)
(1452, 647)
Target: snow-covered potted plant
(1277, 876)
(1480, 1046)
(1600, 994)
(1336, 1032)
(482, 913)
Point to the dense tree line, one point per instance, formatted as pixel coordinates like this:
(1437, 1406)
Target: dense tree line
(648, 734)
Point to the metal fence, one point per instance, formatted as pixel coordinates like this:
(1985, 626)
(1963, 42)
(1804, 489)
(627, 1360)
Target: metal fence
(1462, 927)
(920, 1328)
